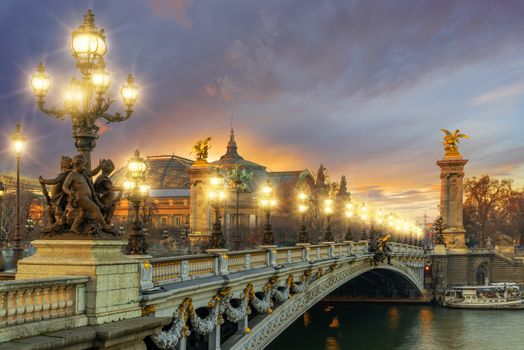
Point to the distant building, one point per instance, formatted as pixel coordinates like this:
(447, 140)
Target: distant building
(170, 186)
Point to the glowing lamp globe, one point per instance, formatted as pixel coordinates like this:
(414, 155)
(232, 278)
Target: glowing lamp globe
(129, 92)
(88, 44)
(101, 80)
(18, 140)
(136, 166)
(40, 81)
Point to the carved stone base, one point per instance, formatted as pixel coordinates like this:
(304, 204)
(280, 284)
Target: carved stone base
(114, 283)
(454, 239)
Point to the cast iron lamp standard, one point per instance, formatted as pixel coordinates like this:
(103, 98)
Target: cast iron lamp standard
(18, 142)
(85, 100)
(2, 237)
(267, 203)
(136, 192)
(350, 213)
(363, 215)
(217, 199)
(302, 209)
(328, 210)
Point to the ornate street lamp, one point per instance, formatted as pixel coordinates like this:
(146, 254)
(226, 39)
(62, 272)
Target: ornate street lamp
(85, 100)
(137, 192)
(217, 199)
(363, 214)
(2, 237)
(350, 213)
(328, 210)
(302, 209)
(18, 141)
(267, 203)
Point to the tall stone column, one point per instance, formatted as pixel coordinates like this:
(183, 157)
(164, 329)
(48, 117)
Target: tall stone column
(200, 212)
(451, 199)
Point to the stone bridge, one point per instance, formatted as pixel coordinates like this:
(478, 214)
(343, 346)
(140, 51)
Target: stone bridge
(96, 297)
(254, 295)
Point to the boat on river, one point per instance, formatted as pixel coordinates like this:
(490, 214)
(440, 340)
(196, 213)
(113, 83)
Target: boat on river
(493, 296)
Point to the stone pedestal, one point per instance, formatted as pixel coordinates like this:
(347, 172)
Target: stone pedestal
(113, 289)
(451, 199)
(200, 216)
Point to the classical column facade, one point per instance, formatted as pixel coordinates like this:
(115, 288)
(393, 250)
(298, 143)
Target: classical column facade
(451, 199)
(200, 212)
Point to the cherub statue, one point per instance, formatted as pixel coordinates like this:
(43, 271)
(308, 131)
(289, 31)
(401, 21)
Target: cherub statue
(201, 148)
(105, 190)
(451, 141)
(79, 187)
(57, 201)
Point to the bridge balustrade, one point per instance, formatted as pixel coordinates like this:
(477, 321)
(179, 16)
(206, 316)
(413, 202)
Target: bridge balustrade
(56, 301)
(181, 268)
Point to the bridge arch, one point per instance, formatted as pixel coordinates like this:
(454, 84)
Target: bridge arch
(285, 314)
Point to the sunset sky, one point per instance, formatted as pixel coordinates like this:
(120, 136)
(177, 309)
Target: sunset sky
(362, 87)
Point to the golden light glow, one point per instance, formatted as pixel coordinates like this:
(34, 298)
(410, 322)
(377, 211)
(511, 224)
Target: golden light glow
(88, 43)
(302, 196)
(144, 189)
(328, 206)
(40, 81)
(18, 140)
(129, 92)
(302, 208)
(101, 80)
(267, 189)
(128, 185)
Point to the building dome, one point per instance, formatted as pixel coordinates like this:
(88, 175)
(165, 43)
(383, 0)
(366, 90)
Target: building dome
(163, 172)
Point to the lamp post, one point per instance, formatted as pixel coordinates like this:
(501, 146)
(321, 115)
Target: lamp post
(85, 100)
(350, 212)
(217, 199)
(302, 209)
(363, 213)
(2, 237)
(136, 191)
(18, 142)
(267, 203)
(328, 210)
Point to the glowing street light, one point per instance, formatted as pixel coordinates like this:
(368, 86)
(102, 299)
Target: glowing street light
(267, 202)
(85, 99)
(18, 142)
(328, 210)
(302, 209)
(217, 199)
(350, 213)
(136, 191)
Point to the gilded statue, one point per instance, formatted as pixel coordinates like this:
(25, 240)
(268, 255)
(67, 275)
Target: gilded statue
(451, 141)
(201, 149)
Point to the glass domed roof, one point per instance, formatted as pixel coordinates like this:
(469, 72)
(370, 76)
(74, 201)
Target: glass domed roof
(163, 172)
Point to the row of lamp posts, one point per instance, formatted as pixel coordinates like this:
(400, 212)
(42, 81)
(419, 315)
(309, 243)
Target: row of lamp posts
(85, 101)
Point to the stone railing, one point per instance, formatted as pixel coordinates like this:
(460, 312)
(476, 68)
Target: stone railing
(23, 302)
(182, 268)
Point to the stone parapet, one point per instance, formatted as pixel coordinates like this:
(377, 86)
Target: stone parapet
(34, 306)
(113, 289)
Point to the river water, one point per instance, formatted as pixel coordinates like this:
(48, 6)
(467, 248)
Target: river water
(341, 326)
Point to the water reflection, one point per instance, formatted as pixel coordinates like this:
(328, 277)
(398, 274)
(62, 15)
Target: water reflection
(407, 327)
(307, 319)
(332, 344)
(393, 318)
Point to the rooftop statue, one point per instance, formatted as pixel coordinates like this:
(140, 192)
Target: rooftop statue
(451, 141)
(201, 149)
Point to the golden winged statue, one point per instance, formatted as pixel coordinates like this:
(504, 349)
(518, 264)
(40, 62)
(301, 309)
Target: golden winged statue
(451, 141)
(201, 148)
